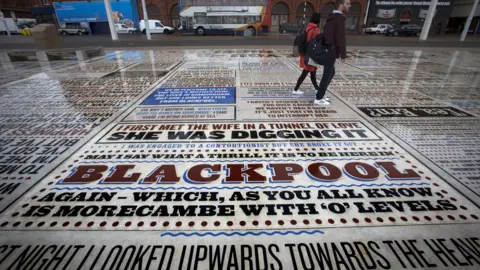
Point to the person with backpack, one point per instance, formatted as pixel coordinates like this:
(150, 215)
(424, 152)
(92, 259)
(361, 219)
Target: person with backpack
(311, 32)
(333, 37)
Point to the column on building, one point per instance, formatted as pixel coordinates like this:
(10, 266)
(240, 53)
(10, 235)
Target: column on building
(163, 10)
(280, 13)
(174, 14)
(326, 9)
(304, 8)
(354, 22)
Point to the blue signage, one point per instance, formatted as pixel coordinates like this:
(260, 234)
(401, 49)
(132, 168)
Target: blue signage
(124, 11)
(210, 95)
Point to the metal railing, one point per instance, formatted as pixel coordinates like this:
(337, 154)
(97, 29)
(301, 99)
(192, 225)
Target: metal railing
(223, 2)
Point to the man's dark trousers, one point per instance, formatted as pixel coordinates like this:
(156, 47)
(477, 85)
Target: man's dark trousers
(328, 73)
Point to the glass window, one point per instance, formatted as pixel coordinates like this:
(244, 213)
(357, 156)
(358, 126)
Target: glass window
(349, 21)
(234, 20)
(190, 22)
(214, 20)
(200, 18)
(295, 25)
(157, 24)
(123, 26)
(251, 20)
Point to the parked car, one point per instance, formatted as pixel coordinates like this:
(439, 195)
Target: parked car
(289, 28)
(16, 27)
(378, 29)
(11, 26)
(73, 29)
(156, 26)
(406, 30)
(123, 29)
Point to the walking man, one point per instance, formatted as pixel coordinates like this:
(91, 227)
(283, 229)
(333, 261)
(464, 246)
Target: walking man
(334, 35)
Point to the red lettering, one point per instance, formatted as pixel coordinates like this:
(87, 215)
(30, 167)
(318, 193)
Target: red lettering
(283, 172)
(194, 174)
(361, 171)
(164, 174)
(118, 175)
(237, 173)
(86, 174)
(323, 172)
(393, 174)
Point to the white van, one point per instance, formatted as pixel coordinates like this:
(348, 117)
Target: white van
(156, 26)
(11, 25)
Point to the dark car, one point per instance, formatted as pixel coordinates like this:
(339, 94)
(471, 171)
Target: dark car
(289, 28)
(406, 30)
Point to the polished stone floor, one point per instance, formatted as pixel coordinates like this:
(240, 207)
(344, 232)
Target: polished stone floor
(203, 159)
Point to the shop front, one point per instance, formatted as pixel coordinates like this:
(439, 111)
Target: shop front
(44, 14)
(399, 13)
(93, 16)
(459, 16)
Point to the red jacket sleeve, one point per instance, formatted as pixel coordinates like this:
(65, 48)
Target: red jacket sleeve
(313, 33)
(340, 38)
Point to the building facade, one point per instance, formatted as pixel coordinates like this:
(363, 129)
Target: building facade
(292, 11)
(461, 11)
(410, 12)
(18, 8)
(448, 17)
(43, 11)
(166, 11)
(278, 11)
(92, 15)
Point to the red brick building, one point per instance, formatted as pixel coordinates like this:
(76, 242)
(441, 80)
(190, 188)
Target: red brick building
(292, 11)
(164, 10)
(41, 10)
(20, 8)
(278, 11)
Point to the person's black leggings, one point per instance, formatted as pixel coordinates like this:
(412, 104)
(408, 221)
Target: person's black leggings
(313, 77)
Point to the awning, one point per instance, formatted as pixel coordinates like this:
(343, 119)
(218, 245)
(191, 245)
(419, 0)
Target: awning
(43, 10)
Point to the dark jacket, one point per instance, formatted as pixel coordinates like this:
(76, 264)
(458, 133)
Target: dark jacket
(334, 34)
